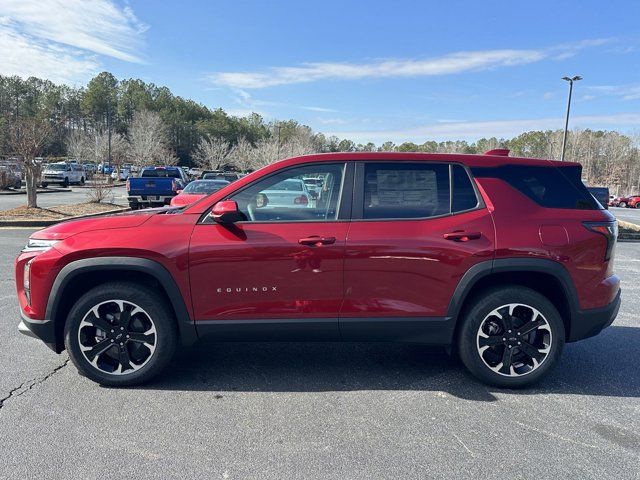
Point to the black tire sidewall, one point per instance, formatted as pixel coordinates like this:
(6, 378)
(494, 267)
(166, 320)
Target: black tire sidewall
(481, 307)
(152, 303)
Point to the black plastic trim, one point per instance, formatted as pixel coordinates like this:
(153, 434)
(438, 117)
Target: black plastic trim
(188, 334)
(41, 329)
(591, 322)
(282, 330)
(423, 330)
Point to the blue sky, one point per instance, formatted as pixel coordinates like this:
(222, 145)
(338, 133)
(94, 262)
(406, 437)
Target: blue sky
(370, 71)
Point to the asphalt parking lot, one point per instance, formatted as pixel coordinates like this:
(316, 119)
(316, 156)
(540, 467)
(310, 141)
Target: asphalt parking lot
(322, 410)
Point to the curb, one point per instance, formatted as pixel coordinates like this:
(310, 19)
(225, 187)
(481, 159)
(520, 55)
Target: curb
(108, 185)
(39, 192)
(48, 223)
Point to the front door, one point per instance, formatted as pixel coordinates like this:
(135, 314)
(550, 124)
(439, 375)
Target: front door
(283, 265)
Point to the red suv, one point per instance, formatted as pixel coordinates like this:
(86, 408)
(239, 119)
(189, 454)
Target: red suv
(501, 259)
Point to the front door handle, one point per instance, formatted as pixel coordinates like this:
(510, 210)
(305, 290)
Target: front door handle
(462, 236)
(316, 241)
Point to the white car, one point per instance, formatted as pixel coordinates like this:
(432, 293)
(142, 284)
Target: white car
(290, 193)
(124, 174)
(64, 174)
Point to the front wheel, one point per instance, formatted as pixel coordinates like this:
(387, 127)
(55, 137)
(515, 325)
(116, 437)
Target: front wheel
(622, 204)
(120, 334)
(65, 183)
(511, 337)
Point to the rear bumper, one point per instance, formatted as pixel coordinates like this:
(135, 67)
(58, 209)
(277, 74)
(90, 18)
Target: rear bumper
(41, 329)
(587, 323)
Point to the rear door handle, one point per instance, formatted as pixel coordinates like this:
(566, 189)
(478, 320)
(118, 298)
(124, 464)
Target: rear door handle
(462, 236)
(316, 241)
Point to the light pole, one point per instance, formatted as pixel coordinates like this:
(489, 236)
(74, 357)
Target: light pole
(566, 121)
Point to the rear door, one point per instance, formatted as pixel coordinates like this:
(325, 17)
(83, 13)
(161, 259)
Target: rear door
(416, 228)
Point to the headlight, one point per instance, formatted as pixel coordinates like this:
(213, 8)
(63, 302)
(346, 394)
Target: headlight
(35, 245)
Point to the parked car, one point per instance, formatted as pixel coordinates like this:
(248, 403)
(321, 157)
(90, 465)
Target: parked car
(289, 193)
(501, 259)
(63, 173)
(90, 169)
(122, 174)
(601, 194)
(634, 201)
(196, 190)
(155, 186)
(11, 176)
(213, 175)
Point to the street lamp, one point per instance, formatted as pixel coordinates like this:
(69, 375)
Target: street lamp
(566, 122)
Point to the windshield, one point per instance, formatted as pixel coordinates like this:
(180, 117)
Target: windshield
(57, 167)
(205, 186)
(290, 185)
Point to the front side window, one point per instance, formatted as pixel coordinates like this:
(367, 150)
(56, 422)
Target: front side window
(405, 190)
(285, 196)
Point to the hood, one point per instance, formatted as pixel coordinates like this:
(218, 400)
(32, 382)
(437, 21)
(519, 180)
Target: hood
(65, 229)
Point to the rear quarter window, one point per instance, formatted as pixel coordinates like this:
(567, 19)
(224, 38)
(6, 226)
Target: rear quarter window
(550, 187)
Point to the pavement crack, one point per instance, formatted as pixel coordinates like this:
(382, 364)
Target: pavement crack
(27, 385)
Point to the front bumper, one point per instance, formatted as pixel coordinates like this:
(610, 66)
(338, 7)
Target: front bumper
(588, 323)
(41, 329)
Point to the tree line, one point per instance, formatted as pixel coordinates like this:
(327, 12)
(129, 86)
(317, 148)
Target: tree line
(138, 122)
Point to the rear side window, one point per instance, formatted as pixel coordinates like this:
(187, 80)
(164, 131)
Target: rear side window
(464, 195)
(549, 187)
(410, 190)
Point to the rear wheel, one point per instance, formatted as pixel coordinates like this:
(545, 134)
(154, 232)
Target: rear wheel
(120, 334)
(511, 337)
(622, 204)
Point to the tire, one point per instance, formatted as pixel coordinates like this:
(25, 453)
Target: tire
(65, 183)
(81, 180)
(622, 204)
(486, 353)
(44, 185)
(149, 336)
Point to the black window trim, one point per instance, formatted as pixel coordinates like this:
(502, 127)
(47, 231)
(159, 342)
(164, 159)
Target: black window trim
(358, 192)
(344, 201)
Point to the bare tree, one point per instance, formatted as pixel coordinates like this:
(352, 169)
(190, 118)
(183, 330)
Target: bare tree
(148, 140)
(100, 189)
(212, 153)
(27, 139)
(266, 152)
(241, 155)
(80, 145)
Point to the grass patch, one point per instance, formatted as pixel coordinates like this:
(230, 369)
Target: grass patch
(58, 212)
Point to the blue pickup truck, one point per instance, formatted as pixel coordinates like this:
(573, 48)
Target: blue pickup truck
(155, 186)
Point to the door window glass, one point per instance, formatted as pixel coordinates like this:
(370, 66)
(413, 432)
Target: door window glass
(464, 195)
(405, 190)
(308, 193)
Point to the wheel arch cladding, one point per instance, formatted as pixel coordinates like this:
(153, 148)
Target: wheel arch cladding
(544, 276)
(78, 277)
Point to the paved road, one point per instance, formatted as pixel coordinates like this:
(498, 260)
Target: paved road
(627, 214)
(322, 411)
(77, 195)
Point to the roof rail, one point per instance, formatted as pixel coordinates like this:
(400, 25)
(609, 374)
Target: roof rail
(499, 152)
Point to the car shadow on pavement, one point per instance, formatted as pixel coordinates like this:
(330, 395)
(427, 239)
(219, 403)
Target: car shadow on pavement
(604, 365)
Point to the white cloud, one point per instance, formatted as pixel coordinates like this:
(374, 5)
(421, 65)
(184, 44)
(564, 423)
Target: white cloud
(62, 40)
(447, 64)
(626, 92)
(492, 128)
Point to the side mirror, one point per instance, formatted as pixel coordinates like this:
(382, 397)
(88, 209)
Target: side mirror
(226, 211)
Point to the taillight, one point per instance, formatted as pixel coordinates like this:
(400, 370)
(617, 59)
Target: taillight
(301, 200)
(607, 229)
(128, 185)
